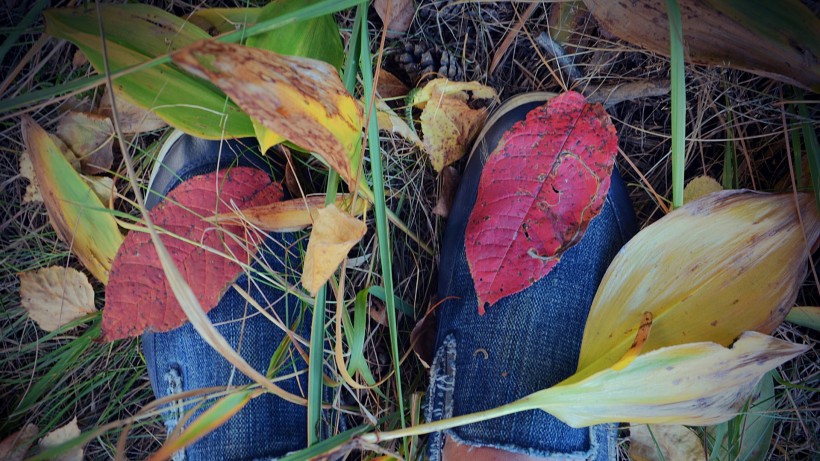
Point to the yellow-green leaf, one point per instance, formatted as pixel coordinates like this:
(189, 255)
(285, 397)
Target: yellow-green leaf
(222, 20)
(729, 262)
(299, 98)
(135, 34)
(334, 234)
(700, 186)
(807, 316)
(76, 213)
(664, 443)
(694, 384)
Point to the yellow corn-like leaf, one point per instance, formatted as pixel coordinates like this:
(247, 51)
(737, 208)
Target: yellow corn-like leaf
(692, 384)
(223, 20)
(729, 262)
(135, 34)
(299, 98)
(290, 215)
(76, 213)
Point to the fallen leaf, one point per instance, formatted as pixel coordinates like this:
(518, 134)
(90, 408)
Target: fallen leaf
(334, 234)
(27, 171)
(397, 15)
(729, 262)
(299, 98)
(448, 121)
(61, 435)
(389, 86)
(807, 316)
(55, 296)
(288, 215)
(540, 187)
(133, 119)
(103, 186)
(423, 338)
(15, 446)
(135, 34)
(755, 427)
(91, 137)
(780, 40)
(450, 178)
(78, 216)
(139, 297)
(664, 443)
(694, 384)
(700, 186)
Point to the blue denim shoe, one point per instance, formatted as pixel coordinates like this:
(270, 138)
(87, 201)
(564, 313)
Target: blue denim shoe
(180, 361)
(526, 342)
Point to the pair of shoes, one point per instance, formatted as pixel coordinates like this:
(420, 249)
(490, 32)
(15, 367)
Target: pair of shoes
(524, 343)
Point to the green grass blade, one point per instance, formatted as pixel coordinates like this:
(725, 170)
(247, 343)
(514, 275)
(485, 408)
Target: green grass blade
(812, 148)
(382, 230)
(317, 329)
(729, 180)
(18, 30)
(678, 102)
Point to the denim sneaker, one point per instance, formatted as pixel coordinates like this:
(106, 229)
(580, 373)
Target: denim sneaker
(527, 341)
(180, 361)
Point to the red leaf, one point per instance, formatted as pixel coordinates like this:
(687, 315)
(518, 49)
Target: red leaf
(138, 296)
(541, 186)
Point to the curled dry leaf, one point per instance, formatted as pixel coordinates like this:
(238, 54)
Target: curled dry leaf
(450, 179)
(15, 446)
(448, 121)
(133, 119)
(299, 98)
(334, 234)
(541, 186)
(397, 15)
(289, 215)
(726, 263)
(76, 213)
(139, 297)
(61, 435)
(389, 86)
(388, 120)
(90, 137)
(664, 443)
(55, 296)
(700, 186)
(694, 384)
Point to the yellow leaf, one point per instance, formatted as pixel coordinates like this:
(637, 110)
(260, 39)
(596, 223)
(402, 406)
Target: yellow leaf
(448, 122)
(664, 443)
(103, 187)
(389, 121)
(299, 98)
(637, 345)
(727, 263)
(27, 171)
(289, 215)
(334, 234)
(700, 186)
(695, 384)
(76, 213)
(54, 296)
(90, 137)
(61, 435)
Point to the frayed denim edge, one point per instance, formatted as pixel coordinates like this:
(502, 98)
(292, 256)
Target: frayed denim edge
(440, 406)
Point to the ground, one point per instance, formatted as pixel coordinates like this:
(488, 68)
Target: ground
(48, 379)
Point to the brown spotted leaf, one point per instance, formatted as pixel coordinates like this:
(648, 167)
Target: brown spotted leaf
(138, 296)
(301, 99)
(541, 186)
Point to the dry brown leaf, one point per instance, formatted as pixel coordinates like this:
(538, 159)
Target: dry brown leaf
(103, 187)
(389, 86)
(27, 171)
(450, 179)
(301, 99)
(700, 186)
(90, 137)
(334, 234)
(61, 435)
(613, 94)
(132, 118)
(670, 443)
(401, 15)
(389, 121)
(448, 122)
(15, 446)
(54, 296)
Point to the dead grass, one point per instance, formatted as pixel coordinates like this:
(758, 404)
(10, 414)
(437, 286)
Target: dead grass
(108, 382)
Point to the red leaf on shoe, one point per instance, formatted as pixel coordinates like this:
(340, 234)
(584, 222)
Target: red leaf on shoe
(540, 187)
(138, 296)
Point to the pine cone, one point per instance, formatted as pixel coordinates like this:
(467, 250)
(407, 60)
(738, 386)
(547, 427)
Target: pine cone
(423, 62)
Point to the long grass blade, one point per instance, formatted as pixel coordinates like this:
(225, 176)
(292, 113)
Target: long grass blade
(17, 31)
(812, 148)
(678, 102)
(382, 230)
